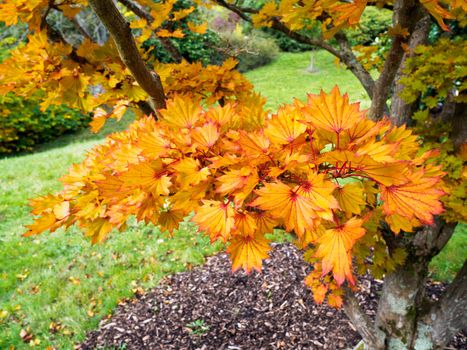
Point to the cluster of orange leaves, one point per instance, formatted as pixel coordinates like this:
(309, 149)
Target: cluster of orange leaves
(90, 76)
(335, 15)
(319, 169)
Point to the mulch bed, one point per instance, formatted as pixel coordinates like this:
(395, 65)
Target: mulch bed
(268, 310)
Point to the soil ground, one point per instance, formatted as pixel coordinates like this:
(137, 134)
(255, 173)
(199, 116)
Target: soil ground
(211, 308)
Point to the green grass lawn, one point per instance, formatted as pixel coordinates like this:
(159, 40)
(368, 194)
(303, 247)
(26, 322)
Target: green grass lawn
(287, 78)
(56, 287)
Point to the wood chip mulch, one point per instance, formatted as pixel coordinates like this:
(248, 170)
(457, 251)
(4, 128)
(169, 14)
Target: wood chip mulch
(211, 308)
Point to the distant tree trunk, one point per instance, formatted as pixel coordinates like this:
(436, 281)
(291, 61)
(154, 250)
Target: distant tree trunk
(311, 67)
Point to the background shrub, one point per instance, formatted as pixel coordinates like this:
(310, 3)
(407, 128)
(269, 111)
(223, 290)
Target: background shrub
(285, 43)
(374, 22)
(252, 51)
(193, 47)
(23, 124)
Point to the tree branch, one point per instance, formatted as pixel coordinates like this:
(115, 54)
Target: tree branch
(404, 13)
(372, 337)
(448, 316)
(80, 28)
(402, 111)
(430, 240)
(120, 31)
(348, 57)
(455, 113)
(345, 53)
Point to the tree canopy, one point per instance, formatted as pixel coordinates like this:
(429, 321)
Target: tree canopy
(351, 185)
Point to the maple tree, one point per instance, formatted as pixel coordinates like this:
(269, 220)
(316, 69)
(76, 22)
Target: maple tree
(359, 190)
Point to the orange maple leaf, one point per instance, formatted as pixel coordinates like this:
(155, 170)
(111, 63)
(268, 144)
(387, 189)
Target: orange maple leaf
(418, 198)
(332, 112)
(245, 223)
(295, 209)
(285, 127)
(199, 29)
(248, 252)
(170, 219)
(334, 249)
(386, 173)
(216, 218)
(319, 190)
(350, 198)
(190, 172)
(45, 222)
(205, 136)
(149, 176)
(438, 12)
(154, 144)
(181, 112)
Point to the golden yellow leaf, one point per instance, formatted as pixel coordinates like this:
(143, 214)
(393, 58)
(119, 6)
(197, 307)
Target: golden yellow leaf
(418, 198)
(350, 198)
(216, 218)
(334, 249)
(248, 252)
(295, 209)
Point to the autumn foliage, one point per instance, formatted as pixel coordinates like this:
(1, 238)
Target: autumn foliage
(319, 169)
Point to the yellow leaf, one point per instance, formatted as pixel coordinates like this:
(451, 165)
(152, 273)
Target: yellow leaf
(245, 223)
(199, 29)
(334, 249)
(181, 113)
(149, 176)
(438, 12)
(154, 144)
(248, 252)
(41, 224)
(190, 173)
(170, 219)
(350, 198)
(178, 15)
(164, 33)
(332, 112)
(99, 119)
(399, 223)
(285, 127)
(205, 136)
(283, 202)
(216, 218)
(393, 173)
(418, 198)
(319, 191)
(97, 229)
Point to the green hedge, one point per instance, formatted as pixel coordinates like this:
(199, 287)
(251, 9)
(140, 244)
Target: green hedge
(23, 125)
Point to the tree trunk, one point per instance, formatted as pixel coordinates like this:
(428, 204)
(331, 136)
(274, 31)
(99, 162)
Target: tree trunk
(401, 112)
(311, 67)
(401, 302)
(406, 319)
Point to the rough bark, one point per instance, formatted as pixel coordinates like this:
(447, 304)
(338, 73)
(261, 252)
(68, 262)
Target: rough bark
(372, 337)
(406, 14)
(347, 56)
(120, 31)
(402, 111)
(447, 317)
(402, 306)
(456, 115)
